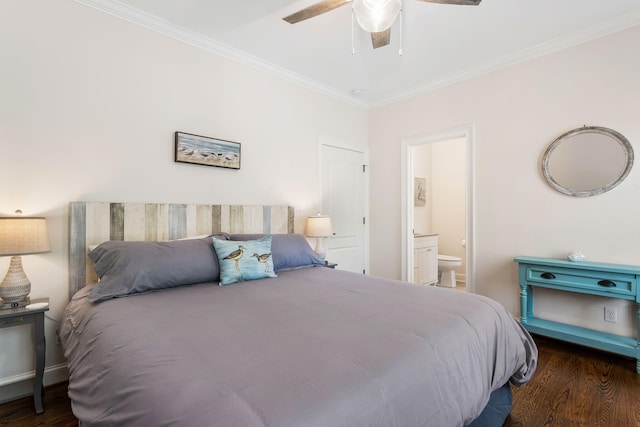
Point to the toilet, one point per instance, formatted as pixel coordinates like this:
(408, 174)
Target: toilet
(447, 265)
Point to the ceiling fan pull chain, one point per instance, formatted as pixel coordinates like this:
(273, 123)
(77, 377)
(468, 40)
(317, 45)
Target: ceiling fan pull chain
(353, 23)
(400, 52)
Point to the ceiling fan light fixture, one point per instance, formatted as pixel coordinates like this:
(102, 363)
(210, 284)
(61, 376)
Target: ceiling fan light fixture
(375, 16)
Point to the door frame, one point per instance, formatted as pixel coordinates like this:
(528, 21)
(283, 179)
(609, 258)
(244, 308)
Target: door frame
(329, 141)
(468, 133)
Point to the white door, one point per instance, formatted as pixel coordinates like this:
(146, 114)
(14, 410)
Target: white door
(343, 186)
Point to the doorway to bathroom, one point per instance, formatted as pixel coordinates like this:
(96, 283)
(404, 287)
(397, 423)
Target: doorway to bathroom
(437, 198)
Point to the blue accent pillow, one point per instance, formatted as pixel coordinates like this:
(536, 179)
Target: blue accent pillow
(244, 260)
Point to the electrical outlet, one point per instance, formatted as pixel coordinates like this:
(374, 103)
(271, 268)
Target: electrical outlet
(610, 314)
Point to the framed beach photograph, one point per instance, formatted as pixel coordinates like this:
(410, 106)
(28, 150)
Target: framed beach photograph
(202, 150)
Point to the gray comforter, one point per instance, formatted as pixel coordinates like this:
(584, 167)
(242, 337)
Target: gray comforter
(313, 347)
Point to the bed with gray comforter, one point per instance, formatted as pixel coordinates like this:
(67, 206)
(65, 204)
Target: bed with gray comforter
(313, 347)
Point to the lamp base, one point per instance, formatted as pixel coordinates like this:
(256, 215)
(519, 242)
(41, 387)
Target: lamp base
(319, 250)
(16, 285)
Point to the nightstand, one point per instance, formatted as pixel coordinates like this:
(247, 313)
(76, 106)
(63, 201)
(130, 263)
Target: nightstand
(330, 264)
(22, 316)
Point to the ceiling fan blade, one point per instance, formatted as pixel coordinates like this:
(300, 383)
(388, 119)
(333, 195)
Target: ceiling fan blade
(460, 2)
(381, 39)
(315, 10)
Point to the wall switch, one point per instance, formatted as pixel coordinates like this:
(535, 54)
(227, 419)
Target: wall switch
(610, 314)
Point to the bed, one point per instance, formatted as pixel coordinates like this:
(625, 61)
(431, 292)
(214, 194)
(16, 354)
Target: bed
(178, 332)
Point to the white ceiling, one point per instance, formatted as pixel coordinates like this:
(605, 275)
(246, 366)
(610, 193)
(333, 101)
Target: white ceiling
(442, 44)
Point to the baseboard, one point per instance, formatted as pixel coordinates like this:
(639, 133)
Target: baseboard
(17, 386)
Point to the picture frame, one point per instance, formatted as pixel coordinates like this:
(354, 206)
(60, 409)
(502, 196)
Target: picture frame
(419, 192)
(206, 151)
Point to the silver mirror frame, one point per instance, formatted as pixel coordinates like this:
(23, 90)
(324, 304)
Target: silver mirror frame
(616, 136)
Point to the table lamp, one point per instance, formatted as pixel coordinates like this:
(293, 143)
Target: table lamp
(20, 236)
(319, 226)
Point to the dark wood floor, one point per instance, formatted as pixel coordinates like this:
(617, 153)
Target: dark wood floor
(57, 410)
(573, 386)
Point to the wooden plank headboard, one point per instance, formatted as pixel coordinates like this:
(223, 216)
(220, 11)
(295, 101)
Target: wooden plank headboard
(92, 223)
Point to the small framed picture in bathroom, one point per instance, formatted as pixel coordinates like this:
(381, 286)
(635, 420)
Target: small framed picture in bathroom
(419, 191)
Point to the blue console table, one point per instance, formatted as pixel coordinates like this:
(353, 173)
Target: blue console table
(593, 278)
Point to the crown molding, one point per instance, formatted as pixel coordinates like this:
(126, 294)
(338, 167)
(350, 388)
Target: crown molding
(136, 16)
(152, 22)
(587, 34)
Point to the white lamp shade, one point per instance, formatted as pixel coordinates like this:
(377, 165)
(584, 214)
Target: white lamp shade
(23, 236)
(319, 226)
(375, 16)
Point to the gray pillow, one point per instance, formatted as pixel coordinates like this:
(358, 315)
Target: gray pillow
(289, 251)
(128, 268)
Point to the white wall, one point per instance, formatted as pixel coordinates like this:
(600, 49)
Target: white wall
(516, 113)
(88, 107)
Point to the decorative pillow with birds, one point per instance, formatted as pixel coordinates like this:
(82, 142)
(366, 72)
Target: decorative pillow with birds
(244, 260)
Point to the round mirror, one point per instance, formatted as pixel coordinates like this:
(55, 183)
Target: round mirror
(587, 161)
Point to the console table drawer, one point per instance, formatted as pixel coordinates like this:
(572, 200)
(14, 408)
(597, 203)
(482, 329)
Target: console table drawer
(584, 281)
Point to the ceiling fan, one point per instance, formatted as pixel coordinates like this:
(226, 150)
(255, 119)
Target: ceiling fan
(374, 16)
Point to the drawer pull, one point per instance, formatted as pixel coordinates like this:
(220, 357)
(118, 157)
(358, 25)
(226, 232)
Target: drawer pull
(607, 283)
(548, 276)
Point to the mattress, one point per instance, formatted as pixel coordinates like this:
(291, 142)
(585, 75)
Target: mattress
(312, 347)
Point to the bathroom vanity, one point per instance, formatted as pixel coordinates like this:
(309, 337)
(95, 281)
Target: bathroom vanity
(425, 259)
(592, 278)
